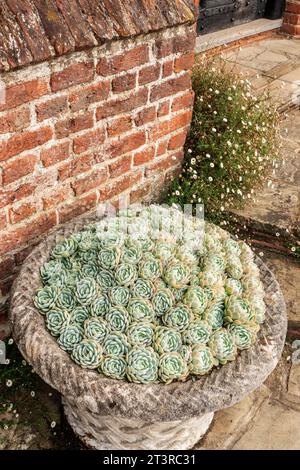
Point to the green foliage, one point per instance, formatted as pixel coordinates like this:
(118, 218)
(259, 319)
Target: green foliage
(232, 144)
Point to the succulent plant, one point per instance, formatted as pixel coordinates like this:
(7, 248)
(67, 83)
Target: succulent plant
(96, 328)
(142, 306)
(202, 360)
(178, 317)
(119, 295)
(87, 354)
(56, 320)
(142, 365)
(172, 367)
(222, 346)
(166, 340)
(113, 366)
(118, 319)
(198, 331)
(69, 336)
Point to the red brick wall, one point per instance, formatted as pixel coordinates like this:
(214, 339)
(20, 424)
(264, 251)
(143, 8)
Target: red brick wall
(83, 129)
(291, 19)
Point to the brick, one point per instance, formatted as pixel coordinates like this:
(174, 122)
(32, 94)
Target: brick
(180, 120)
(292, 7)
(57, 197)
(26, 233)
(17, 168)
(120, 166)
(144, 156)
(127, 144)
(15, 120)
(163, 108)
(12, 195)
(24, 92)
(120, 185)
(21, 212)
(52, 108)
(24, 141)
(138, 194)
(163, 164)
(149, 74)
(145, 116)
(184, 43)
(3, 220)
(122, 105)
(123, 62)
(160, 129)
(119, 125)
(291, 18)
(73, 124)
(184, 62)
(75, 167)
(92, 139)
(91, 181)
(162, 148)
(184, 101)
(81, 99)
(294, 30)
(55, 154)
(77, 207)
(124, 83)
(167, 68)
(75, 74)
(171, 87)
(7, 267)
(177, 141)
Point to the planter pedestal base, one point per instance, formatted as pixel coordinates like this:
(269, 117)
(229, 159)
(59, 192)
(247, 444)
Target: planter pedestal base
(113, 433)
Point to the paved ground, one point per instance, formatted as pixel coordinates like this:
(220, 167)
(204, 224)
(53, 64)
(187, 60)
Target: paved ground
(30, 412)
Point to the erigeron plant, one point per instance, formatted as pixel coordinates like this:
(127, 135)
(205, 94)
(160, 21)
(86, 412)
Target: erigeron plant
(151, 308)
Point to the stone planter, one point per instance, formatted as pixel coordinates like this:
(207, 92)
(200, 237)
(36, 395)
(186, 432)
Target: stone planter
(110, 414)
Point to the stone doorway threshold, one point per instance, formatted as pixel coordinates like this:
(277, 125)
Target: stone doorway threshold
(236, 33)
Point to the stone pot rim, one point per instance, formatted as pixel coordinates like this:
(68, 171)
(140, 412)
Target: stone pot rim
(88, 390)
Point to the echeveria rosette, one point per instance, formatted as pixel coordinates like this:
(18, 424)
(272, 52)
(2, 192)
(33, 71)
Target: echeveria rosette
(233, 286)
(150, 268)
(234, 268)
(119, 295)
(209, 278)
(105, 279)
(196, 299)
(72, 278)
(96, 329)
(202, 360)
(214, 315)
(87, 354)
(56, 320)
(215, 263)
(126, 274)
(165, 251)
(259, 308)
(178, 293)
(101, 305)
(187, 255)
(66, 300)
(198, 332)
(178, 317)
(79, 315)
(162, 301)
(143, 288)
(244, 335)
(222, 346)
(116, 344)
(51, 268)
(251, 268)
(108, 258)
(140, 309)
(118, 319)
(186, 352)
(238, 310)
(232, 248)
(110, 239)
(177, 274)
(142, 365)
(131, 254)
(166, 340)
(89, 269)
(86, 291)
(212, 244)
(113, 367)
(172, 367)
(88, 256)
(45, 298)
(252, 286)
(140, 333)
(65, 249)
(246, 252)
(70, 336)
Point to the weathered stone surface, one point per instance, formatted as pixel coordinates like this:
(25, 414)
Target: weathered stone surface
(88, 392)
(38, 30)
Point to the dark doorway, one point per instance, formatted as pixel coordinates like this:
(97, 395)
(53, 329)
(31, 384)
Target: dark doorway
(215, 15)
